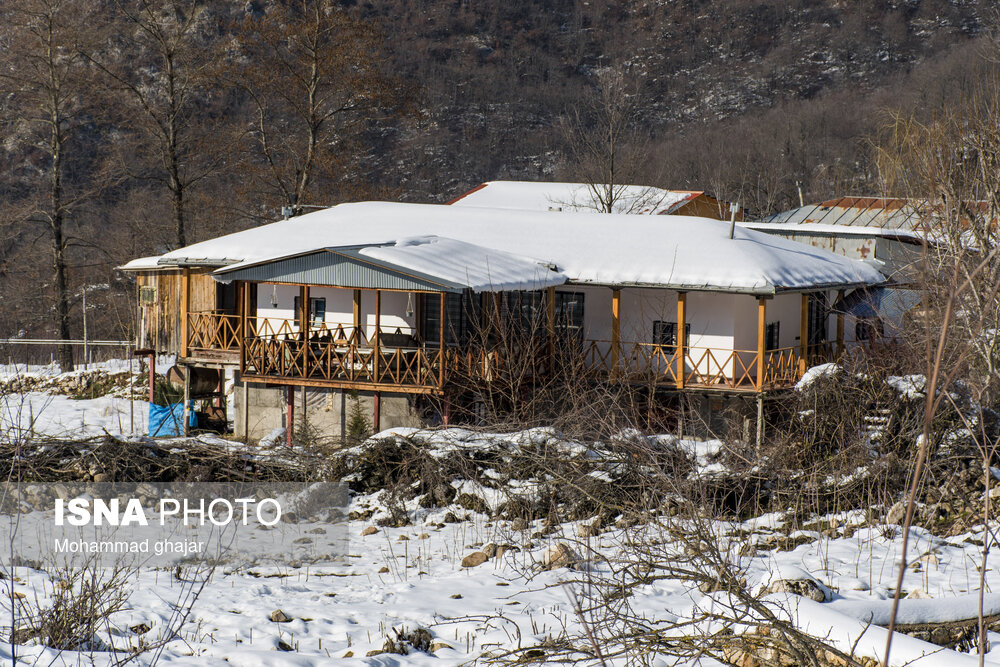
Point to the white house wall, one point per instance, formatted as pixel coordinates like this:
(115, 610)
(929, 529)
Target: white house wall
(711, 315)
(339, 307)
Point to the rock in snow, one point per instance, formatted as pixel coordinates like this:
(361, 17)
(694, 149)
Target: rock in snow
(560, 555)
(475, 559)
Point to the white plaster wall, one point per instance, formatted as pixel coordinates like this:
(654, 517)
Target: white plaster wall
(393, 313)
(712, 316)
(285, 310)
(720, 322)
(785, 308)
(339, 307)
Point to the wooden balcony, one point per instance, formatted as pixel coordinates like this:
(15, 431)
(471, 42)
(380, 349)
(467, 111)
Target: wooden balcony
(395, 360)
(703, 368)
(212, 336)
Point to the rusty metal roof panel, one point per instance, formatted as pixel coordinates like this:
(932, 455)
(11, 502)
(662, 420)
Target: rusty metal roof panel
(857, 212)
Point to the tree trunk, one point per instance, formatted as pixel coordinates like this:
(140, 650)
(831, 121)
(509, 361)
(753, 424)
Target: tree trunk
(56, 223)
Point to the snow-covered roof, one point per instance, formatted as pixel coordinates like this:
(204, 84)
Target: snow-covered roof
(533, 196)
(678, 252)
(473, 266)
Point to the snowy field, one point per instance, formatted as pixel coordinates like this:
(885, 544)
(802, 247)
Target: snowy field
(50, 414)
(65, 417)
(412, 577)
(402, 579)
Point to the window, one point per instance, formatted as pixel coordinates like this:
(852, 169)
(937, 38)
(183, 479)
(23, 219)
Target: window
(665, 335)
(461, 313)
(569, 313)
(147, 296)
(868, 328)
(772, 336)
(818, 312)
(317, 310)
(525, 313)
(225, 298)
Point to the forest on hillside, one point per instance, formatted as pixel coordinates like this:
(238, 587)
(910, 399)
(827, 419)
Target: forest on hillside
(129, 127)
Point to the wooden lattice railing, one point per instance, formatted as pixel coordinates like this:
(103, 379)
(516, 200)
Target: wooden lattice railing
(346, 356)
(344, 363)
(702, 366)
(211, 330)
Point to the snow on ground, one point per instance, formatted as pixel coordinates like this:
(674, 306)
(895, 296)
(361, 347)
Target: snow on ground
(391, 582)
(412, 577)
(65, 417)
(7, 371)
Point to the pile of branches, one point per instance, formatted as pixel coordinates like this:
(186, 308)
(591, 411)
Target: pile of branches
(108, 459)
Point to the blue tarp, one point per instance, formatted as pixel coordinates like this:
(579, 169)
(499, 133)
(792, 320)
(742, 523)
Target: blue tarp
(167, 420)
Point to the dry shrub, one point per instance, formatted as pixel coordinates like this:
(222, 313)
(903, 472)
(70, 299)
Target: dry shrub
(82, 602)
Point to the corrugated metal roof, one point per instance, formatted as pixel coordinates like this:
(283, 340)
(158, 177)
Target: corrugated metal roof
(857, 212)
(676, 252)
(878, 212)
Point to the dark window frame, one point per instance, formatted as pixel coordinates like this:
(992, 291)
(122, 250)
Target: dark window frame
(817, 318)
(772, 336)
(665, 335)
(317, 310)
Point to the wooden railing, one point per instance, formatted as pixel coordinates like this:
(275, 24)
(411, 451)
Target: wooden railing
(660, 365)
(211, 330)
(345, 356)
(344, 363)
(214, 330)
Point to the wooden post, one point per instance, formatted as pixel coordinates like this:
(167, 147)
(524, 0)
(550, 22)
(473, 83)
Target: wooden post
(616, 328)
(550, 326)
(186, 430)
(441, 359)
(681, 338)
(300, 316)
(803, 333)
(185, 301)
(840, 326)
(304, 327)
(357, 316)
(761, 341)
(377, 411)
(152, 375)
(289, 414)
(378, 335)
(242, 334)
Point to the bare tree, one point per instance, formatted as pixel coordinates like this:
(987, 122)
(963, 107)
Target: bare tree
(48, 84)
(314, 76)
(606, 146)
(949, 166)
(166, 102)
